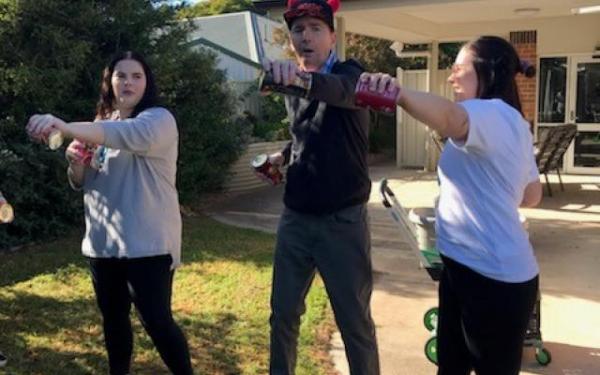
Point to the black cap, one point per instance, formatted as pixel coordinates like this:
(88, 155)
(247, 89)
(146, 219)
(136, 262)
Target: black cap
(320, 9)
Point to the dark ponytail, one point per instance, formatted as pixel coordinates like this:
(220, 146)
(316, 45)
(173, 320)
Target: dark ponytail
(526, 69)
(496, 63)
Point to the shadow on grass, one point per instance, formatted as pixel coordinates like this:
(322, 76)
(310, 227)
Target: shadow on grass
(207, 240)
(36, 260)
(204, 240)
(44, 335)
(49, 322)
(45, 361)
(213, 343)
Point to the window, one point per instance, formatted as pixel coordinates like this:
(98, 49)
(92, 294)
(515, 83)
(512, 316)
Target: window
(588, 93)
(553, 86)
(587, 149)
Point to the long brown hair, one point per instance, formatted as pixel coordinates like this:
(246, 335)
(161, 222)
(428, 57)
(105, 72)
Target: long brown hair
(106, 104)
(496, 63)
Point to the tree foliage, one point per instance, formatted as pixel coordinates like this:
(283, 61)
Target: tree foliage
(448, 52)
(376, 56)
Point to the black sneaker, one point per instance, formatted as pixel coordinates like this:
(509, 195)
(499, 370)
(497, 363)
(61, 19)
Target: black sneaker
(3, 360)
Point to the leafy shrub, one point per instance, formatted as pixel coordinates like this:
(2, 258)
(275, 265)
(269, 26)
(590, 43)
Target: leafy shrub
(271, 123)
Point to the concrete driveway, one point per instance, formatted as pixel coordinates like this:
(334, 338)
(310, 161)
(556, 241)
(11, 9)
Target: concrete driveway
(565, 232)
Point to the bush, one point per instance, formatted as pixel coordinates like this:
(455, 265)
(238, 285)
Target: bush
(210, 138)
(271, 124)
(382, 133)
(33, 180)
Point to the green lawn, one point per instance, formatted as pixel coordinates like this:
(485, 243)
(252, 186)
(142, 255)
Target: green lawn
(49, 323)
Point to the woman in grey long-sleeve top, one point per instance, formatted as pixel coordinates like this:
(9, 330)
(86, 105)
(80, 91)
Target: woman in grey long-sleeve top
(133, 224)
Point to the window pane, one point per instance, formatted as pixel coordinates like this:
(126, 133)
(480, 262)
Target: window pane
(553, 85)
(588, 92)
(587, 149)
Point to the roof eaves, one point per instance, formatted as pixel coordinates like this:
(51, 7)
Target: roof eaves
(230, 53)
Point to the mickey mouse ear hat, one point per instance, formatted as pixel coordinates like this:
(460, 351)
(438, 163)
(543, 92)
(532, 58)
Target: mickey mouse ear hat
(321, 9)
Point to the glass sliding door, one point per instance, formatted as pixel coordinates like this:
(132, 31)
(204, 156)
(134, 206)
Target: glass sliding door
(584, 110)
(552, 91)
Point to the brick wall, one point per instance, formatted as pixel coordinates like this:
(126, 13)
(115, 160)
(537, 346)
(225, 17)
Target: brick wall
(525, 42)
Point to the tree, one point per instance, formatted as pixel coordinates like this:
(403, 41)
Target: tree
(448, 52)
(211, 7)
(376, 56)
(51, 56)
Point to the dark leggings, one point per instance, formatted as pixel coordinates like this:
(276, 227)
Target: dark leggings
(146, 282)
(482, 322)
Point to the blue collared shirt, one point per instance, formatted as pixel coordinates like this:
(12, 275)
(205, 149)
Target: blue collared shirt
(331, 60)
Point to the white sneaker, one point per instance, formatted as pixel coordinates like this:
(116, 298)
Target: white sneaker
(3, 360)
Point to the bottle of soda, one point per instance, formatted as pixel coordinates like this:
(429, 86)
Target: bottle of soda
(299, 87)
(6, 211)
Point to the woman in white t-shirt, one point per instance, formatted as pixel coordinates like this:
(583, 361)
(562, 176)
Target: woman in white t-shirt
(487, 170)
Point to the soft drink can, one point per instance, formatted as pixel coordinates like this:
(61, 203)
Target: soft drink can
(384, 102)
(262, 165)
(89, 154)
(7, 213)
(55, 139)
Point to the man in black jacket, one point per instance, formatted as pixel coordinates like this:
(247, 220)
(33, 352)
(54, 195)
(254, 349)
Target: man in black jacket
(324, 225)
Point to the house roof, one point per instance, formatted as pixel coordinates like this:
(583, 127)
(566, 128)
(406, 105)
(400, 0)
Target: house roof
(427, 20)
(246, 35)
(207, 43)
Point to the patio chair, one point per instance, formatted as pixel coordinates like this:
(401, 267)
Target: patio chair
(552, 145)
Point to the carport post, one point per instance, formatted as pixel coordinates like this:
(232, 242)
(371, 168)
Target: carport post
(431, 152)
(340, 34)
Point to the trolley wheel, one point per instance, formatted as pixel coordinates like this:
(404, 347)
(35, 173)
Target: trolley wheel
(430, 319)
(431, 350)
(543, 356)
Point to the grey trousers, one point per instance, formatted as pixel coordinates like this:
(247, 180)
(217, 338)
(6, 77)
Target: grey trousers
(339, 247)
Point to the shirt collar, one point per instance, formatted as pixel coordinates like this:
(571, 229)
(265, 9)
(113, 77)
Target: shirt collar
(331, 60)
